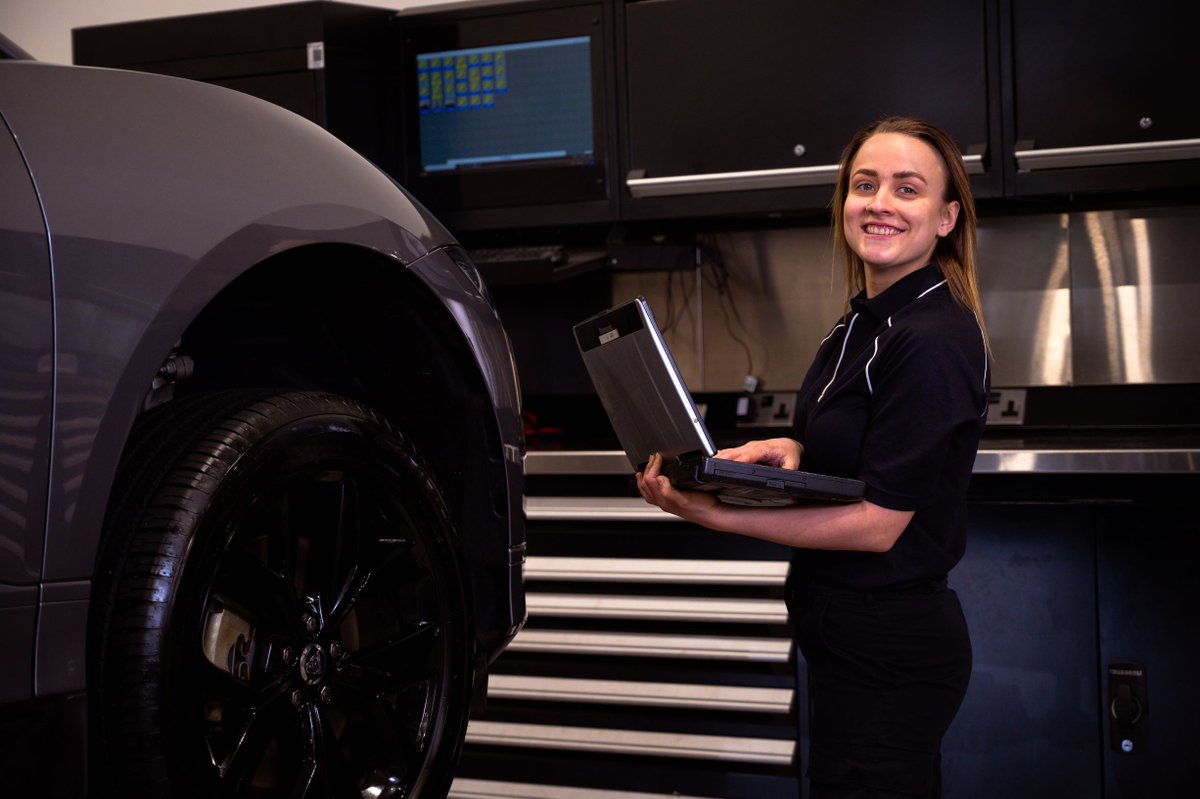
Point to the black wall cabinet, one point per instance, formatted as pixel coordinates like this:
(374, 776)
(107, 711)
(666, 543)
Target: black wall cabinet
(727, 108)
(1101, 96)
(323, 60)
(745, 107)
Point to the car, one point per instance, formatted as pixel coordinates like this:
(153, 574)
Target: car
(261, 455)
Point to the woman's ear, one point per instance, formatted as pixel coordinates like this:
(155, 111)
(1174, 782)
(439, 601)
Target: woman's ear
(949, 218)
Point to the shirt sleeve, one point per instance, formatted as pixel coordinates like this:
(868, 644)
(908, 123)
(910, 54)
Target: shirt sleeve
(926, 389)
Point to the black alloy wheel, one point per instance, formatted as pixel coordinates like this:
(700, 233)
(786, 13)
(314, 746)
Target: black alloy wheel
(281, 609)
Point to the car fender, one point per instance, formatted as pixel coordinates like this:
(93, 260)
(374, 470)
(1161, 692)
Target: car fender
(141, 241)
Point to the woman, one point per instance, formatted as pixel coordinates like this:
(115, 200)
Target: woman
(897, 397)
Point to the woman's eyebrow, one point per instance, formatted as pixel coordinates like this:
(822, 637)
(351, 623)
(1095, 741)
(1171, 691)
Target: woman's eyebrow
(910, 174)
(903, 175)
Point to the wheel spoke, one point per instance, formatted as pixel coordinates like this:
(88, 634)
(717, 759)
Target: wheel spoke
(323, 770)
(361, 576)
(402, 750)
(405, 658)
(248, 744)
(311, 736)
(348, 541)
(250, 583)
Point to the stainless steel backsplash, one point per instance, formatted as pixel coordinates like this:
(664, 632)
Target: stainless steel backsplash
(1094, 297)
(1084, 298)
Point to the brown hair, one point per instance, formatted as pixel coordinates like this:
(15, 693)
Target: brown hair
(954, 254)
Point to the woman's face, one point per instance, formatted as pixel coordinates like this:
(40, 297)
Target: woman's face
(894, 211)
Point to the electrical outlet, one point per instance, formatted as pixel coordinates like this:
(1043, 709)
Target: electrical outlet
(769, 409)
(1006, 406)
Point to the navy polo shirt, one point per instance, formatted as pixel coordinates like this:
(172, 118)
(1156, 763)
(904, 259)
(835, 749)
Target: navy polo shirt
(897, 397)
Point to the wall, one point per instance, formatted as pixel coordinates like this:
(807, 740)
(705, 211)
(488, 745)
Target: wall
(43, 27)
(780, 298)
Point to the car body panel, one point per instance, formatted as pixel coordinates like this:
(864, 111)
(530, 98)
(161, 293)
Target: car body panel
(140, 241)
(131, 274)
(443, 271)
(26, 370)
(26, 395)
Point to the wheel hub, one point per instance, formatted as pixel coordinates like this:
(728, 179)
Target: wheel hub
(313, 663)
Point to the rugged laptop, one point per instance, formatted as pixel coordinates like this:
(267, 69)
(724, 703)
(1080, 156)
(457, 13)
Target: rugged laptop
(652, 411)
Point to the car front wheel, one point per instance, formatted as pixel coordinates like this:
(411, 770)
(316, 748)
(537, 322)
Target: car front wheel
(279, 609)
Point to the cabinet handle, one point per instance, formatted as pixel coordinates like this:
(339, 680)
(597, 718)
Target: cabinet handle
(713, 182)
(676, 185)
(1107, 154)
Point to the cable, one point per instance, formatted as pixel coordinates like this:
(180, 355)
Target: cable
(717, 277)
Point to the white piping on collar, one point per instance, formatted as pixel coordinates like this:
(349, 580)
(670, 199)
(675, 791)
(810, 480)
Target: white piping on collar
(845, 341)
(931, 288)
(867, 368)
(836, 327)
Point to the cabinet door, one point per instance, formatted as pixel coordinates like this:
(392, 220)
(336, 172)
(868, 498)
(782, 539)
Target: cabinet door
(1148, 601)
(1028, 724)
(1102, 98)
(737, 106)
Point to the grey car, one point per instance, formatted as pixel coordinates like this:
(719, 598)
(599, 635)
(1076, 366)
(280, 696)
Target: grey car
(260, 453)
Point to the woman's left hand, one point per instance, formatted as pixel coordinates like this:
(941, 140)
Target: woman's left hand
(656, 488)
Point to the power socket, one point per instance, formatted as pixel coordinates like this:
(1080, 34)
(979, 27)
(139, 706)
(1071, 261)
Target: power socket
(768, 409)
(1006, 406)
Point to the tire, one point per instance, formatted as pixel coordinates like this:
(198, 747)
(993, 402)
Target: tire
(279, 608)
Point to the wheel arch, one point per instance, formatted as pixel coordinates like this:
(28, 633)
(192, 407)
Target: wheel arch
(348, 320)
(352, 321)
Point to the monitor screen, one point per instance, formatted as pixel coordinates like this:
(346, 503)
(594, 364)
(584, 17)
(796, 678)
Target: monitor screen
(504, 119)
(507, 103)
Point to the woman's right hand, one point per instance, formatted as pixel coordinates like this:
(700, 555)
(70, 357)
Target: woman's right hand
(782, 452)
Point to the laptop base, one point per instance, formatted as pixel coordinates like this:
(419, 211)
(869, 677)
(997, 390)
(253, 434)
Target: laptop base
(764, 486)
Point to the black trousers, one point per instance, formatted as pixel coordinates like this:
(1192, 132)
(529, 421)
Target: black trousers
(887, 673)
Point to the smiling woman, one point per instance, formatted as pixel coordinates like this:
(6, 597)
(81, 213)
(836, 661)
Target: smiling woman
(896, 397)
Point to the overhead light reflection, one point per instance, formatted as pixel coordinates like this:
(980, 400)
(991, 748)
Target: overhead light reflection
(1054, 318)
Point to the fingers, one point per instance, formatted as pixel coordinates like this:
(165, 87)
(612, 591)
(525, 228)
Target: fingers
(657, 490)
(649, 482)
(792, 452)
(750, 452)
(746, 453)
(782, 452)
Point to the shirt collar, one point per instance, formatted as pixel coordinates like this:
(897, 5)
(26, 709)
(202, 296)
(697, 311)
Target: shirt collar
(899, 294)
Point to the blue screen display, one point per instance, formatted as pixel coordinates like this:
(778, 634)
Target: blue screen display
(506, 103)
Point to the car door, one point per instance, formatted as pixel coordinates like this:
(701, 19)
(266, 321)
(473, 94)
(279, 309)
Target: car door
(26, 401)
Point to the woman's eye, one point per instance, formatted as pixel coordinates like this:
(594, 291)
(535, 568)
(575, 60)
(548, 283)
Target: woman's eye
(863, 186)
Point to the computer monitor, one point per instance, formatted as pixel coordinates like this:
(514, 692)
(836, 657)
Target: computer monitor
(503, 117)
(516, 103)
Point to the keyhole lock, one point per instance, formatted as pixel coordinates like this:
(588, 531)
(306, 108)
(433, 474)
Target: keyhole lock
(1128, 707)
